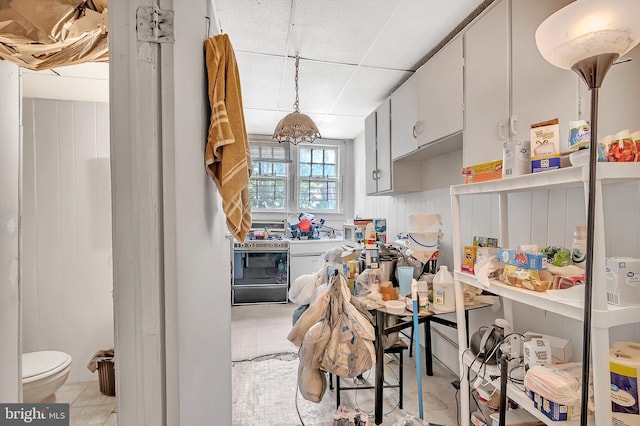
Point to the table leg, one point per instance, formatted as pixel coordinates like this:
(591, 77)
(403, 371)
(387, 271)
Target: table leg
(379, 344)
(428, 356)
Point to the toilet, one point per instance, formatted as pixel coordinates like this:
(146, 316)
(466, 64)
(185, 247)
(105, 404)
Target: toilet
(43, 373)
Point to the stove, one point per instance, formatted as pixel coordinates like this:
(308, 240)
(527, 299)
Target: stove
(260, 268)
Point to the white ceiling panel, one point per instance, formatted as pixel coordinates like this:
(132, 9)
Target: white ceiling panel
(260, 77)
(367, 90)
(341, 126)
(320, 84)
(254, 25)
(337, 30)
(260, 122)
(410, 32)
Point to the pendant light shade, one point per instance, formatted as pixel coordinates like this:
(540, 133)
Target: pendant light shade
(588, 28)
(296, 127)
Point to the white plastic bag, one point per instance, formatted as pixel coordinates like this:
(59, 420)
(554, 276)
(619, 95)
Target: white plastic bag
(302, 289)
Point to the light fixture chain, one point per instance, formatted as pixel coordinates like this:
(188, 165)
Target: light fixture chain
(296, 104)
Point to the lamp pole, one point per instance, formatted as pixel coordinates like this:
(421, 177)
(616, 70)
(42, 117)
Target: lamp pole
(592, 70)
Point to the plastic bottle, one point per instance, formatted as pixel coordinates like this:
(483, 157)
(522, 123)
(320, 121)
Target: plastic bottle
(282, 271)
(579, 246)
(444, 290)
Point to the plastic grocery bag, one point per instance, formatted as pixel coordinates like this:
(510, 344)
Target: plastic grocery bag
(559, 383)
(302, 288)
(312, 315)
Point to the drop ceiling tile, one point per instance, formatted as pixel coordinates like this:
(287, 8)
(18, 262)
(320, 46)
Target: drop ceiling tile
(319, 85)
(367, 90)
(337, 30)
(416, 27)
(260, 78)
(341, 126)
(260, 122)
(254, 25)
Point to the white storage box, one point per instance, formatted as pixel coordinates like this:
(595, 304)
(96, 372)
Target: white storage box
(623, 281)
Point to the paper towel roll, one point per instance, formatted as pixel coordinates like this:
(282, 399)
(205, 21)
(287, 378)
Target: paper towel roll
(624, 360)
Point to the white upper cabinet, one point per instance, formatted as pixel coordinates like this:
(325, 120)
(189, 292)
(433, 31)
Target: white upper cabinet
(486, 73)
(508, 84)
(440, 100)
(619, 97)
(539, 90)
(377, 134)
(404, 114)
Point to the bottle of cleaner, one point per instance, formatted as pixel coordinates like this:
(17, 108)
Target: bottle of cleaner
(444, 290)
(579, 246)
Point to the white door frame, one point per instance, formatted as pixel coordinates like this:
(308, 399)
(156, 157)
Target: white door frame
(141, 106)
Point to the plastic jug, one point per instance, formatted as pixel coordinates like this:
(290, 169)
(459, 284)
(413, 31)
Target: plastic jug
(444, 297)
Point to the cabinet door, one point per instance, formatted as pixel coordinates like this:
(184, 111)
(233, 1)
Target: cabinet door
(539, 90)
(304, 264)
(486, 74)
(404, 114)
(619, 105)
(370, 153)
(383, 146)
(440, 94)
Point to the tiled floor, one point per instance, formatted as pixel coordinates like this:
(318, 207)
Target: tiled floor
(265, 370)
(87, 406)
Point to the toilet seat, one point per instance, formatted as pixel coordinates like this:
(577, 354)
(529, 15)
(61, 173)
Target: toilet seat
(36, 365)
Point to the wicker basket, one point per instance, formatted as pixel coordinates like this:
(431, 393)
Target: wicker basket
(107, 377)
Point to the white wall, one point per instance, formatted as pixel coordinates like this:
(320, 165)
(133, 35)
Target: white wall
(541, 217)
(10, 385)
(66, 254)
(203, 253)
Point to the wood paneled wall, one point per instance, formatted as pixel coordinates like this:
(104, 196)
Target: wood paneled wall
(66, 239)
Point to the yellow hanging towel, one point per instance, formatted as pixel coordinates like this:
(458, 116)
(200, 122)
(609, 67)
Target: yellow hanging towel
(227, 156)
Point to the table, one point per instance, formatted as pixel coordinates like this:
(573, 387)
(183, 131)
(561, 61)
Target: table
(425, 317)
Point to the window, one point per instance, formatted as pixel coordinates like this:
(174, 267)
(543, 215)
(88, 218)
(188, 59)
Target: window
(268, 185)
(314, 169)
(318, 178)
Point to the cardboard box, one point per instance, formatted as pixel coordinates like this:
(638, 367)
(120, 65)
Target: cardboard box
(523, 259)
(473, 255)
(537, 351)
(561, 351)
(516, 158)
(483, 172)
(553, 410)
(545, 146)
(485, 241)
(623, 281)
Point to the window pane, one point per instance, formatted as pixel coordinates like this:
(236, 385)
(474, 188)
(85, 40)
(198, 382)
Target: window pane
(330, 171)
(305, 169)
(330, 156)
(317, 155)
(266, 169)
(305, 155)
(317, 170)
(280, 169)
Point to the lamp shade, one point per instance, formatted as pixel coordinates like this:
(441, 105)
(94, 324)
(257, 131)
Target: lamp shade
(587, 28)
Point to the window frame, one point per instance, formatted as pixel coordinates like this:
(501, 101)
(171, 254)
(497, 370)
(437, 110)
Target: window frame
(293, 179)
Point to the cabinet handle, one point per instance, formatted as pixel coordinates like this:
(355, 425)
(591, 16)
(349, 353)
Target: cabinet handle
(513, 124)
(373, 175)
(501, 125)
(377, 174)
(415, 136)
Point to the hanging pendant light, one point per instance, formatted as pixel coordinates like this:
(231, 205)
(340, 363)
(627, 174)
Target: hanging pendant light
(296, 127)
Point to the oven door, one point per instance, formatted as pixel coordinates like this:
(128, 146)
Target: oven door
(260, 276)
